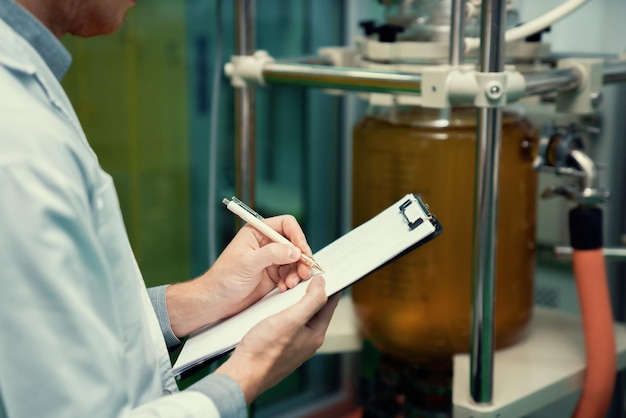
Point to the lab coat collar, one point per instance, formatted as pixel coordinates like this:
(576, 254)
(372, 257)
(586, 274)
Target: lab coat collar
(51, 50)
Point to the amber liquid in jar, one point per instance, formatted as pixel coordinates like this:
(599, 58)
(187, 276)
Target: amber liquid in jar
(419, 306)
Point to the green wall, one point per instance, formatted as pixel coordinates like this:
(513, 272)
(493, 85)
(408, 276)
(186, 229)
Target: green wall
(130, 93)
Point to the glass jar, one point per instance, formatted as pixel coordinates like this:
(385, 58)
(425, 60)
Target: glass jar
(419, 306)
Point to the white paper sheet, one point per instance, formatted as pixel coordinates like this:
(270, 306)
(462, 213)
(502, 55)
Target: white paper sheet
(344, 261)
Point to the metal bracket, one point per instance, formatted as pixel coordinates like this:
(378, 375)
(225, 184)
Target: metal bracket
(444, 86)
(587, 97)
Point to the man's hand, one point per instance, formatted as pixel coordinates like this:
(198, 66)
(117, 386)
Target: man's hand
(249, 267)
(275, 347)
(254, 265)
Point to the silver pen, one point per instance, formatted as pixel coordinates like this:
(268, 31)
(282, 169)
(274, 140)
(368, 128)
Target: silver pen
(246, 213)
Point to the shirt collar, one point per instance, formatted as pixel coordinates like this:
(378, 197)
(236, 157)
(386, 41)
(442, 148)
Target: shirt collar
(45, 43)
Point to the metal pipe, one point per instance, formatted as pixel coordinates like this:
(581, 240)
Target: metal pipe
(566, 78)
(343, 78)
(308, 60)
(318, 72)
(550, 81)
(489, 131)
(244, 106)
(457, 33)
(614, 72)
(587, 166)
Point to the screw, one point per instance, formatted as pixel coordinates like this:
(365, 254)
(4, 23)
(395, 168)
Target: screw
(596, 98)
(494, 90)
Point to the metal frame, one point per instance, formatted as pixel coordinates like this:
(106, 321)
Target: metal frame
(489, 131)
(244, 106)
(487, 150)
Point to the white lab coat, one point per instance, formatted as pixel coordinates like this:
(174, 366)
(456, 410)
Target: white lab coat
(78, 335)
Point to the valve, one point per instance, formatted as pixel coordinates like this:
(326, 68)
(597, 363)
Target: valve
(561, 152)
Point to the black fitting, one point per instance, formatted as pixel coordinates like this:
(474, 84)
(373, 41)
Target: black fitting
(537, 36)
(389, 33)
(585, 228)
(369, 27)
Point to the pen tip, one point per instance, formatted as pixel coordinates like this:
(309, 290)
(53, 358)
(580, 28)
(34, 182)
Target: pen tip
(309, 261)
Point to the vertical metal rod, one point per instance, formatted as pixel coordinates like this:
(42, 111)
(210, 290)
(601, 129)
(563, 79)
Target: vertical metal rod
(457, 33)
(244, 107)
(489, 131)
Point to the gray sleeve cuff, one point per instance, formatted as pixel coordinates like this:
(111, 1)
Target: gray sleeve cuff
(157, 297)
(225, 394)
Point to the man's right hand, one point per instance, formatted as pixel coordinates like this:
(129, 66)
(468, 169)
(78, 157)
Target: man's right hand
(278, 345)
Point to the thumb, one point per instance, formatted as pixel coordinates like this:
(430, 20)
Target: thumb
(275, 253)
(313, 300)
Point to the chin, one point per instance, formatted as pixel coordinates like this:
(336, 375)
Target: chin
(104, 26)
(93, 31)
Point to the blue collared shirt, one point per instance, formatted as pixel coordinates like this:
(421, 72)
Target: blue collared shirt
(78, 334)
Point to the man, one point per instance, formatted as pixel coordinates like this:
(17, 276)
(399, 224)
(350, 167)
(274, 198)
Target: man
(78, 332)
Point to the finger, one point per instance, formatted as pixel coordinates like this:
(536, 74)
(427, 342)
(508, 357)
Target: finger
(282, 283)
(304, 271)
(289, 227)
(292, 281)
(294, 274)
(310, 304)
(288, 276)
(285, 276)
(282, 286)
(321, 320)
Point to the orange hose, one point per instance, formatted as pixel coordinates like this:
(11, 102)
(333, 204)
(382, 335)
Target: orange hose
(597, 319)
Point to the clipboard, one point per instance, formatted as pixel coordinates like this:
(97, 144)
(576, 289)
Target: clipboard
(400, 228)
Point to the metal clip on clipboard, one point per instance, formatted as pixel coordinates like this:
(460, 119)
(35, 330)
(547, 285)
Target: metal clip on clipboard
(411, 212)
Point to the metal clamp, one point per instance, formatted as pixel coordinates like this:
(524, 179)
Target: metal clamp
(412, 214)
